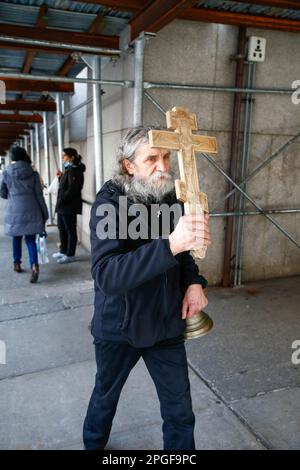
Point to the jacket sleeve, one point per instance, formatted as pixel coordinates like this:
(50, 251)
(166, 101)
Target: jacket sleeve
(115, 271)
(190, 272)
(73, 187)
(4, 188)
(39, 196)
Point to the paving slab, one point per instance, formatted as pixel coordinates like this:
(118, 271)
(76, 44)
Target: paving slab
(31, 308)
(46, 341)
(45, 291)
(46, 410)
(46, 304)
(276, 415)
(249, 350)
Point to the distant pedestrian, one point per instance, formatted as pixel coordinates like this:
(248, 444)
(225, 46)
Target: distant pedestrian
(26, 211)
(69, 204)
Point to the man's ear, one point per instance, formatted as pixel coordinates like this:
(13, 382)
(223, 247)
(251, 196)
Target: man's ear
(129, 167)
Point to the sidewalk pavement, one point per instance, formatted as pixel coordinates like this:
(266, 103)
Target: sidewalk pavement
(245, 389)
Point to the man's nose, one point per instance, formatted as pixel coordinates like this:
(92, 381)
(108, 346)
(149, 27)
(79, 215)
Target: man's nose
(162, 165)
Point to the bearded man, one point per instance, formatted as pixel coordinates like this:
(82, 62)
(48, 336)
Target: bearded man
(144, 290)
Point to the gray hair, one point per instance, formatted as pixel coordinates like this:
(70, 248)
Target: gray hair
(129, 144)
(139, 191)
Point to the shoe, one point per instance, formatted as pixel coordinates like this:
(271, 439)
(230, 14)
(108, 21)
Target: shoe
(66, 259)
(17, 268)
(34, 273)
(58, 255)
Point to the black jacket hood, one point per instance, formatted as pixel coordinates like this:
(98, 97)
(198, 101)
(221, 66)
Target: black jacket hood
(81, 167)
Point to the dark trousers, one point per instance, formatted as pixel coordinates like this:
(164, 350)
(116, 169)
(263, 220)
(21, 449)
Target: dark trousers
(167, 365)
(67, 226)
(31, 246)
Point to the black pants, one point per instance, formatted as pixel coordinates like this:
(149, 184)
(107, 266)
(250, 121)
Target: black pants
(67, 226)
(167, 365)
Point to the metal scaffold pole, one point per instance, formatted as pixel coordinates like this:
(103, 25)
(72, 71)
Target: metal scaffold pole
(47, 164)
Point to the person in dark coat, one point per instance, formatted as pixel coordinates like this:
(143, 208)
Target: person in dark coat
(145, 287)
(69, 204)
(26, 211)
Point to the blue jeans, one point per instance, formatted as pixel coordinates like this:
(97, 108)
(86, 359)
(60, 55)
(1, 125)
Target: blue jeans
(167, 365)
(31, 246)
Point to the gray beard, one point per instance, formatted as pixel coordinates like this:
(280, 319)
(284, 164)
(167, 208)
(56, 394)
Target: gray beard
(145, 192)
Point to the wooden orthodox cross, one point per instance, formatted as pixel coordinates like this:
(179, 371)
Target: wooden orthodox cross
(187, 188)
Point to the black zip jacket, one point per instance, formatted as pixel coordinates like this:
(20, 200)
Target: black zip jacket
(139, 284)
(69, 192)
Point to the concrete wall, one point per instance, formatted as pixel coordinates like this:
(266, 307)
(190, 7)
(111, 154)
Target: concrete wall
(200, 53)
(117, 117)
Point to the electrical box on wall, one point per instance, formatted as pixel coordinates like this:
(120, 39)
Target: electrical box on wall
(256, 49)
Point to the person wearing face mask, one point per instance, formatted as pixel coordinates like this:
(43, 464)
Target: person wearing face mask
(69, 204)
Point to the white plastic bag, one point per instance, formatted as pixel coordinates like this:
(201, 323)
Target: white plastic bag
(42, 250)
(53, 187)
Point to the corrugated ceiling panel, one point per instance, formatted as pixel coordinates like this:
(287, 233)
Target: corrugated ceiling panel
(68, 5)
(250, 8)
